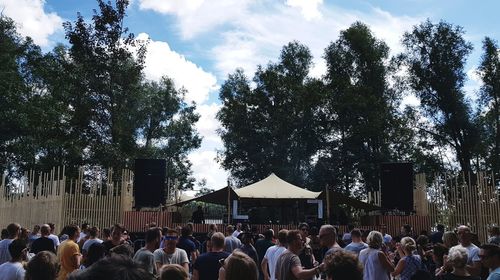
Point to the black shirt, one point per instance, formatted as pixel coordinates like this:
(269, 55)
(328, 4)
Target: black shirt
(42, 244)
(208, 265)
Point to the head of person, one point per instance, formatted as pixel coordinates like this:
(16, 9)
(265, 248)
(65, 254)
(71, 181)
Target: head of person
(422, 241)
(304, 229)
(406, 229)
(408, 244)
(239, 266)
(52, 227)
(327, 235)
(36, 229)
(113, 268)
(450, 239)
(268, 234)
(93, 232)
(438, 252)
(464, 235)
(14, 230)
(375, 239)
(383, 229)
(124, 250)
(217, 241)
(490, 255)
(282, 236)
(95, 253)
(85, 227)
(73, 232)
(170, 240)
(238, 226)
(343, 265)
(229, 230)
(186, 231)
(494, 231)
(440, 227)
(106, 233)
(313, 231)
(295, 240)
(246, 238)
(457, 257)
(24, 234)
(45, 230)
(18, 249)
(212, 227)
(4, 234)
(190, 226)
(173, 272)
(153, 237)
(43, 266)
(117, 232)
(356, 235)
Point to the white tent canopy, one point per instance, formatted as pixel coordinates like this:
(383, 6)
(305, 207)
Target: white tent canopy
(275, 187)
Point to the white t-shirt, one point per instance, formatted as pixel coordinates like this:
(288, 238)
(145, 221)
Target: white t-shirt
(55, 239)
(4, 250)
(178, 257)
(236, 233)
(82, 236)
(472, 253)
(11, 271)
(272, 255)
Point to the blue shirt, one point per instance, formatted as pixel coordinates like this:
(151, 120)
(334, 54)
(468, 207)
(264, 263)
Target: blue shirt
(187, 245)
(494, 275)
(356, 247)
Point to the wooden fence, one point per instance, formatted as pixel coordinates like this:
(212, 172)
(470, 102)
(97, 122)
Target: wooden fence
(52, 197)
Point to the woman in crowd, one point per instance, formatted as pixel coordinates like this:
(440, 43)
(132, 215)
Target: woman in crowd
(375, 262)
(457, 257)
(409, 263)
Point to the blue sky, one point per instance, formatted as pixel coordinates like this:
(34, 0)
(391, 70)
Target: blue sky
(198, 42)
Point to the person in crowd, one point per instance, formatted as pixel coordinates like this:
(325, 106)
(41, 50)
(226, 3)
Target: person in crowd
(91, 239)
(231, 242)
(34, 234)
(83, 234)
(238, 230)
(24, 234)
(357, 244)
(238, 266)
(383, 230)
(43, 243)
(186, 243)
(106, 234)
(343, 265)
(198, 216)
(52, 236)
(268, 264)
(173, 272)
(439, 251)
(375, 262)
(406, 231)
(248, 248)
(450, 239)
(124, 249)
(306, 255)
(409, 263)
(457, 259)
(328, 239)
(288, 265)
(4, 234)
(170, 254)
(69, 253)
(490, 258)
(315, 243)
(206, 266)
(13, 269)
(95, 252)
(494, 235)
(116, 238)
(346, 237)
(145, 255)
(12, 234)
(437, 237)
(465, 241)
(113, 268)
(43, 266)
(261, 247)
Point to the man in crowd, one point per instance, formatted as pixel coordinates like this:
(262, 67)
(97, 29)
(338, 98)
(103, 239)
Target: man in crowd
(490, 257)
(261, 247)
(328, 239)
(145, 255)
(84, 233)
(170, 254)
(357, 244)
(494, 235)
(13, 269)
(116, 238)
(465, 241)
(13, 231)
(43, 243)
(288, 266)
(92, 239)
(343, 265)
(34, 235)
(198, 216)
(185, 243)
(52, 236)
(248, 248)
(385, 235)
(207, 265)
(437, 237)
(238, 230)
(268, 264)
(346, 238)
(69, 252)
(231, 242)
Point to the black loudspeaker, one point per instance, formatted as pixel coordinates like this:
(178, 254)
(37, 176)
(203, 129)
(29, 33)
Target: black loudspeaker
(149, 182)
(396, 186)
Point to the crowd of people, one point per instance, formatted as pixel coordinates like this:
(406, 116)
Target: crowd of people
(240, 252)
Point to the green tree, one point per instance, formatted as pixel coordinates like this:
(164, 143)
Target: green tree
(435, 56)
(272, 127)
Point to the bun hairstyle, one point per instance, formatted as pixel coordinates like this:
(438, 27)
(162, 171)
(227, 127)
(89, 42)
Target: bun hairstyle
(408, 244)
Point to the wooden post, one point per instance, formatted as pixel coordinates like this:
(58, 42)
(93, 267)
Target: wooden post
(327, 193)
(228, 202)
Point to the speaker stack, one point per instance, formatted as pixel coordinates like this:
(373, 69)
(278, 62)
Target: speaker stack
(396, 186)
(149, 182)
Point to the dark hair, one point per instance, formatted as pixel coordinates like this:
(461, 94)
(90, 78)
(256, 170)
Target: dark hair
(356, 233)
(113, 268)
(185, 231)
(282, 236)
(123, 250)
(301, 225)
(152, 234)
(96, 252)
(71, 230)
(440, 227)
(164, 230)
(343, 265)
(16, 248)
(93, 231)
(85, 226)
(491, 249)
(5, 233)
(106, 232)
(52, 226)
(173, 272)
(13, 229)
(268, 234)
(43, 266)
(119, 227)
(291, 236)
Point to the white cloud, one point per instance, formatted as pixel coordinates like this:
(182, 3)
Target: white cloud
(205, 167)
(208, 124)
(32, 20)
(161, 60)
(308, 8)
(179, 7)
